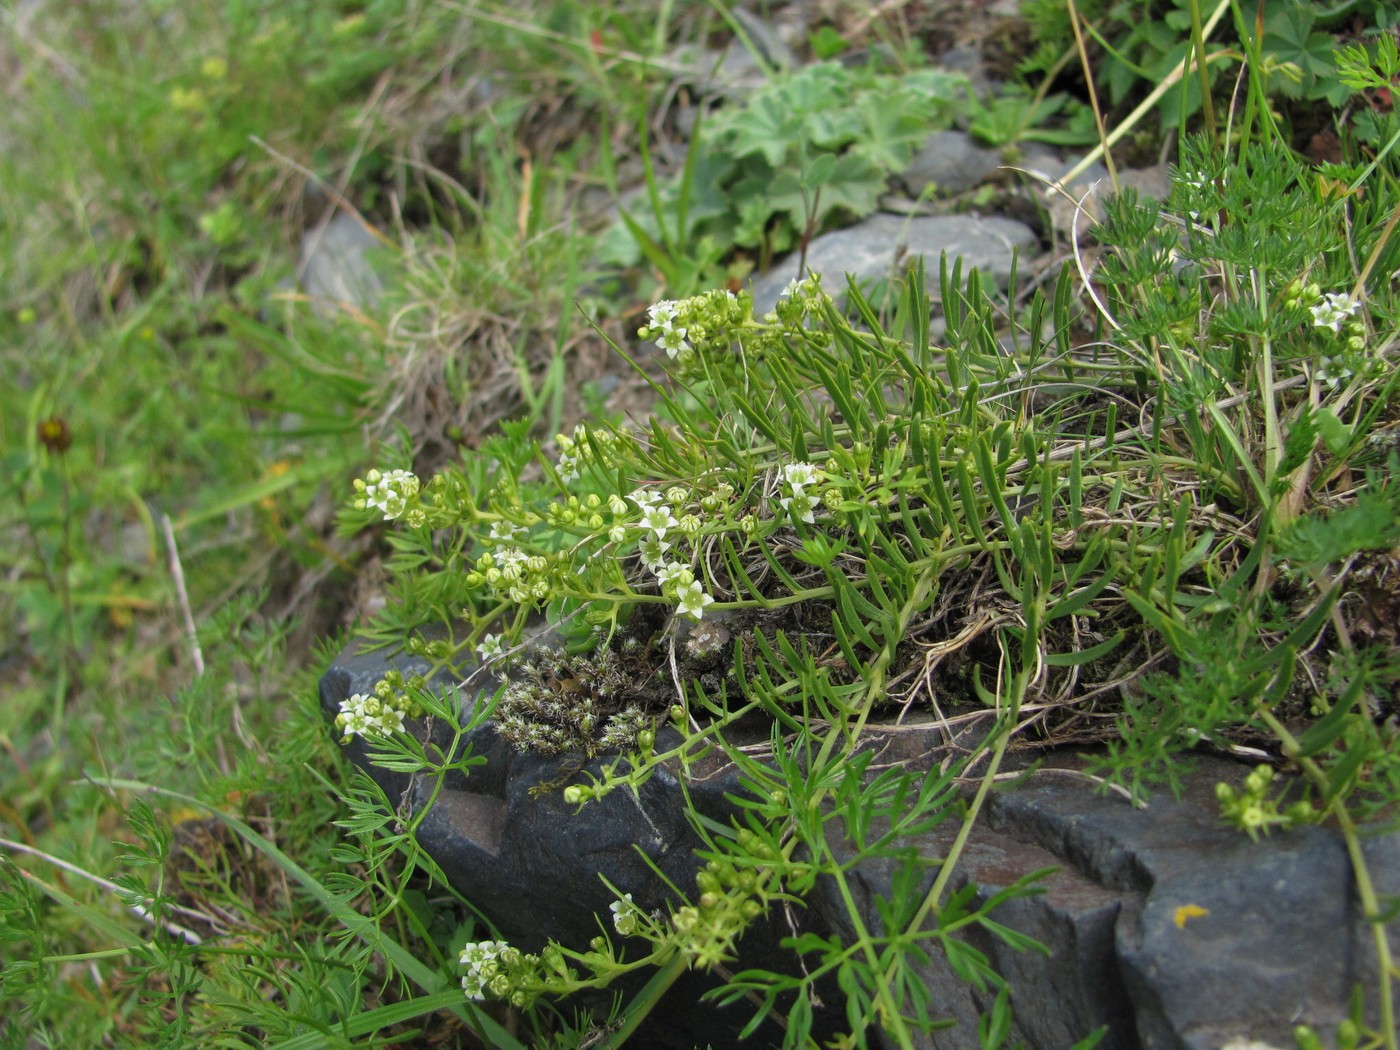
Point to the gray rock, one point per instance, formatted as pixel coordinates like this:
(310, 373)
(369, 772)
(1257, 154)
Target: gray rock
(951, 162)
(967, 59)
(1162, 926)
(336, 269)
(534, 865)
(869, 251)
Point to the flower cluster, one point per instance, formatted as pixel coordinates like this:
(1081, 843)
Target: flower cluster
(367, 716)
(679, 326)
(379, 712)
(392, 493)
(731, 899)
(589, 446)
(495, 971)
(801, 302)
(1336, 312)
(1332, 310)
(1252, 811)
(800, 503)
(677, 579)
(515, 574)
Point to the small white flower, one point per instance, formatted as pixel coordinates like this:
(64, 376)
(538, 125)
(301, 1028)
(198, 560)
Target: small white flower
(390, 720)
(490, 647)
(653, 551)
(505, 530)
(660, 315)
(390, 492)
(801, 474)
(1333, 371)
(691, 600)
(509, 556)
(644, 498)
(624, 915)
(801, 505)
(672, 340)
(1333, 310)
(658, 519)
(674, 572)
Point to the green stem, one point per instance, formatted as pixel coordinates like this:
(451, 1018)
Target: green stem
(945, 872)
(1365, 888)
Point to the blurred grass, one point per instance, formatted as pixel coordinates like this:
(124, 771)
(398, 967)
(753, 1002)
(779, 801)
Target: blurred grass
(159, 162)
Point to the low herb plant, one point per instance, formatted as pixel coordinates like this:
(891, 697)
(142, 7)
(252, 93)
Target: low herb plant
(764, 176)
(830, 523)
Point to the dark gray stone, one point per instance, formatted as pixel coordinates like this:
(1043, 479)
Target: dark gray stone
(869, 250)
(336, 269)
(950, 162)
(1271, 934)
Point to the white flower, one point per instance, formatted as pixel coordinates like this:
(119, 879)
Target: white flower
(567, 467)
(1333, 371)
(801, 505)
(390, 720)
(691, 600)
(490, 647)
(644, 498)
(1333, 310)
(625, 915)
(801, 474)
(368, 716)
(658, 519)
(674, 572)
(672, 340)
(509, 556)
(390, 492)
(662, 314)
(481, 960)
(504, 530)
(653, 551)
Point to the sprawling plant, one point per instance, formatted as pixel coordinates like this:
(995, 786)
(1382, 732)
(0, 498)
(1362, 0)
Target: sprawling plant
(832, 523)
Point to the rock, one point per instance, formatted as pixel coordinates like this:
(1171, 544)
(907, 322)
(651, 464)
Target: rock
(335, 267)
(951, 162)
(534, 865)
(870, 249)
(1163, 926)
(967, 59)
(1085, 192)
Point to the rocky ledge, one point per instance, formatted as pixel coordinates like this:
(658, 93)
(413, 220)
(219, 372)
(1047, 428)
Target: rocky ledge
(1162, 926)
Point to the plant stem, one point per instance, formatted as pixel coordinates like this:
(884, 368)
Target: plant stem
(1365, 888)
